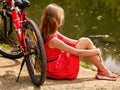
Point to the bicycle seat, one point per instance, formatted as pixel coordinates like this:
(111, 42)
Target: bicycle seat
(22, 3)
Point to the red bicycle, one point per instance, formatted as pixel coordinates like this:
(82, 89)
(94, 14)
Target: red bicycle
(29, 41)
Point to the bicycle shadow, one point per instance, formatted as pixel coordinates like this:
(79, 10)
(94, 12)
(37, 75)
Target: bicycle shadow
(5, 62)
(16, 63)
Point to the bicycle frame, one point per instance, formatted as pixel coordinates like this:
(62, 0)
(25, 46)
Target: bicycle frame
(18, 18)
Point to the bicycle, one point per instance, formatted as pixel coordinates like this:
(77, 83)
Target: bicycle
(29, 41)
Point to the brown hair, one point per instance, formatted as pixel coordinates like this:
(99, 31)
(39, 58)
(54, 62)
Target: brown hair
(51, 20)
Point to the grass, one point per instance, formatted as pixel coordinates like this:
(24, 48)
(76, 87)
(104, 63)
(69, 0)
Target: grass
(5, 46)
(85, 65)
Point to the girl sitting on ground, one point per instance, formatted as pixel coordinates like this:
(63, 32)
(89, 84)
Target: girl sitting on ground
(63, 54)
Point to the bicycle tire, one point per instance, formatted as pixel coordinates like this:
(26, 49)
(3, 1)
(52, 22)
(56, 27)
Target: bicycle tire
(12, 55)
(36, 60)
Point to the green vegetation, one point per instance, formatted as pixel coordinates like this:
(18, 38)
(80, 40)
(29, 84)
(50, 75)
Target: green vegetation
(5, 47)
(88, 66)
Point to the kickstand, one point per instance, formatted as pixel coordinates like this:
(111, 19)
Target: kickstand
(22, 64)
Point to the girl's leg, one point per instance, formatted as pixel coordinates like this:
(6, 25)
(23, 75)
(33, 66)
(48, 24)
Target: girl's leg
(86, 43)
(103, 72)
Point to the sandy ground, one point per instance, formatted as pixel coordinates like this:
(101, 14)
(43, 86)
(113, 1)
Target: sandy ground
(9, 70)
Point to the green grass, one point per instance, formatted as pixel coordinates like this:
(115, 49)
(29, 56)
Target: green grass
(5, 46)
(85, 65)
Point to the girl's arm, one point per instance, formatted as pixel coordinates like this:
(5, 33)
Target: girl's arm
(57, 43)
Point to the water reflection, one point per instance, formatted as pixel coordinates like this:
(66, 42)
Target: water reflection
(112, 64)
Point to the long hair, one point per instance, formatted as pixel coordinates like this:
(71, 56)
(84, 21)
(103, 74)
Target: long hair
(51, 20)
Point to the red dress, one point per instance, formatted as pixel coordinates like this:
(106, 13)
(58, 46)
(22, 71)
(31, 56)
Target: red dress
(61, 65)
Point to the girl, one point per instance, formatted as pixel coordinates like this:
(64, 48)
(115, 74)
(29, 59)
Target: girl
(63, 54)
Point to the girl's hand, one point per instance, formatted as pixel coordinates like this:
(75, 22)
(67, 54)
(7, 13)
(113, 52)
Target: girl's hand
(98, 51)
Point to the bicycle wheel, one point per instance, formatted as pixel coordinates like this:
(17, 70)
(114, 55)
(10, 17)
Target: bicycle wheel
(8, 44)
(36, 60)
